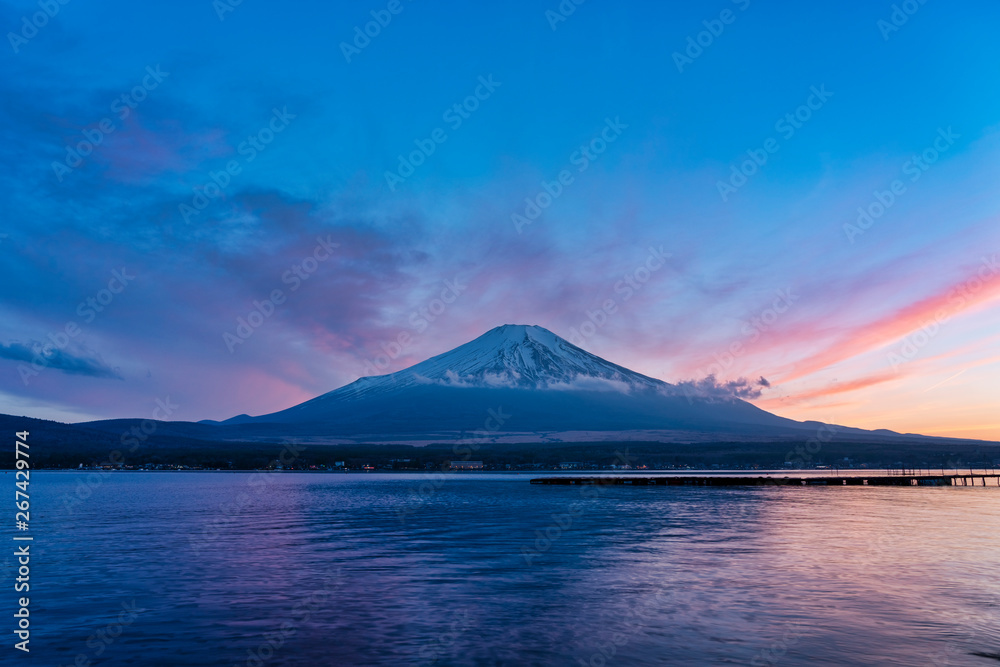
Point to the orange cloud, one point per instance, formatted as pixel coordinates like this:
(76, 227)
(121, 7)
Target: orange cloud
(980, 288)
(840, 387)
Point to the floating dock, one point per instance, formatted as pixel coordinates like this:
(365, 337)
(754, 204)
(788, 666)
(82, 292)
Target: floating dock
(957, 479)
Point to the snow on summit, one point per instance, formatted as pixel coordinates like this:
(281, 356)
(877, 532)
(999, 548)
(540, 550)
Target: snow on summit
(525, 370)
(516, 355)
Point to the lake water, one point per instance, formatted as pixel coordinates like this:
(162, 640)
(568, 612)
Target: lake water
(339, 569)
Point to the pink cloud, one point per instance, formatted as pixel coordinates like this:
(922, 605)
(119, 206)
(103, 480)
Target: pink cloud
(965, 296)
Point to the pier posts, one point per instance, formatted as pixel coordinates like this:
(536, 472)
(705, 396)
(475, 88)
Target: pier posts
(759, 480)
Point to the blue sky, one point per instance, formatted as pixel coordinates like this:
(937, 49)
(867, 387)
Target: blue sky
(842, 350)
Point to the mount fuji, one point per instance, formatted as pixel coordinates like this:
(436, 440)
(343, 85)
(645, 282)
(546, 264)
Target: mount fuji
(518, 383)
(518, 386)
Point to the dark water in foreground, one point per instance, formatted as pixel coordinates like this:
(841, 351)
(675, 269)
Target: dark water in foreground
(296, 569)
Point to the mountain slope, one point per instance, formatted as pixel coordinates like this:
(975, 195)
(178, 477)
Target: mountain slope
(541, 380)
(516, 383)
(512, 356)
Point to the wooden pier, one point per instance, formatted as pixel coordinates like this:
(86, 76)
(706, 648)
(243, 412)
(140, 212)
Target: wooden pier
(955, 479)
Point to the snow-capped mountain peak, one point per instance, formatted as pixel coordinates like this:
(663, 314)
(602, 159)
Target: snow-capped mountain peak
(517, 356)
(528, 371)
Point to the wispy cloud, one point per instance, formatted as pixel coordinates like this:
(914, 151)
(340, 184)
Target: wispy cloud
(710, 388)
(930, 312)
(834, 388)
(59, 359)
